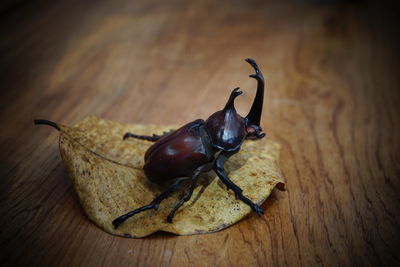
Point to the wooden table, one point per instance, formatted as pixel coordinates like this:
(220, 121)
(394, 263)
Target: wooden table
(332, 101)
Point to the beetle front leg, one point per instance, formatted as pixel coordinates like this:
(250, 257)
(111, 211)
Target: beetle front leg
(219, 169)
(153, 205)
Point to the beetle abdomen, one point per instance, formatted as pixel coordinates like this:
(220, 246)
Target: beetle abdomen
(178, 154)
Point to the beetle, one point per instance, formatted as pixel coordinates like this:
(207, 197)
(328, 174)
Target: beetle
(200, 146)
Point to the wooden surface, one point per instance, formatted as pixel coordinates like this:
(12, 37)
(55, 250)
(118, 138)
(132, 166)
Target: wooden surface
(332, 101)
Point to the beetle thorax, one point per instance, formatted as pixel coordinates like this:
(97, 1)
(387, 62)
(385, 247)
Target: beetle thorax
(226, 127)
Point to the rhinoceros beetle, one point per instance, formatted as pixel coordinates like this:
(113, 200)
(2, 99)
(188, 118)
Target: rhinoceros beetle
(199, 146)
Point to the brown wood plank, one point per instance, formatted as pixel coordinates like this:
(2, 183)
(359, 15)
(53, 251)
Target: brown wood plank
(332, 102)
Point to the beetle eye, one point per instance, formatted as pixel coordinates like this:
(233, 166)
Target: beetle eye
(251, 130)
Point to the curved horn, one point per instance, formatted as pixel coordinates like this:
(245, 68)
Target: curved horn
(230, 104)
(254, 115)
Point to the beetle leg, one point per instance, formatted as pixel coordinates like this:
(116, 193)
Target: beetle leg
(152, 138)
(193, 182)
(153, 205)
(219, 169)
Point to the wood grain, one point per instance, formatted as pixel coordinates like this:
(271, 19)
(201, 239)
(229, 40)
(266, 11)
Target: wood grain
(332, 101)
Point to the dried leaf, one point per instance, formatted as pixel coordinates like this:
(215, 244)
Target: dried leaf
(107, 175)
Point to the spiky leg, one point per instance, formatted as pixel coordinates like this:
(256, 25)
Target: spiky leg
(193, 182)
(219, 169)
(152, 138)
(153, 205)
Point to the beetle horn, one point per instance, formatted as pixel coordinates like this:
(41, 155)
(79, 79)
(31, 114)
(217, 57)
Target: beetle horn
(230, 104)
(254, 115)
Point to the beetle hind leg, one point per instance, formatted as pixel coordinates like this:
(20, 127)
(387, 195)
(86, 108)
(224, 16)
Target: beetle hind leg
(153, 205)
(193, 182)
(152, 138)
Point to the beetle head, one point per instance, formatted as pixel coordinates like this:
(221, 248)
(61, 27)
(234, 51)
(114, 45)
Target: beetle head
(228, 129)
(254, 132)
